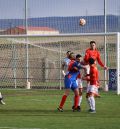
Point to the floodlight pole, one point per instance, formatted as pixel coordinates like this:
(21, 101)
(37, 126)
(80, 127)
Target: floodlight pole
(105, 50)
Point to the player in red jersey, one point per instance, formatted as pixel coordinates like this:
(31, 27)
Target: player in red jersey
(92, 89)
(92, 52)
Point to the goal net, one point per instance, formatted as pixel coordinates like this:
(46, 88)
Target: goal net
(37, 59)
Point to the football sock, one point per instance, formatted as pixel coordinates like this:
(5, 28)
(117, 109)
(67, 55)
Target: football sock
(80, 100)
(76, 99)
(89, 102)
(92, 101)
(63, 101)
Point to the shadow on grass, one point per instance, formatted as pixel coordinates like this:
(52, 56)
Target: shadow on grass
(31, 112)
(54, 112)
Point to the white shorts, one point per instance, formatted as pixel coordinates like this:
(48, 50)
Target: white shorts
(93, 89)
(79, 83)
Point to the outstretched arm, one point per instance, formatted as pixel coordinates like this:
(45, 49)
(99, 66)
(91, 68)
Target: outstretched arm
(100, 62)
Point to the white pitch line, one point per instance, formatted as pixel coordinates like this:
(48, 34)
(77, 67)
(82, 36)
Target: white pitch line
(19, 128)
(39, 100)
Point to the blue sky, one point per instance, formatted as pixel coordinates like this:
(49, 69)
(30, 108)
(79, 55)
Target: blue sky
(10, 9)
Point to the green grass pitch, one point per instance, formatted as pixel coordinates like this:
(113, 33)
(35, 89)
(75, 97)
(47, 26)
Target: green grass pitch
(37, 109)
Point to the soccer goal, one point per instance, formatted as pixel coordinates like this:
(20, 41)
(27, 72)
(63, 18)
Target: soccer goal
(37, 59)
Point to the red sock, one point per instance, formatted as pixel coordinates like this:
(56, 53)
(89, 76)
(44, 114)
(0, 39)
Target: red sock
(76, 100)
(63, 101)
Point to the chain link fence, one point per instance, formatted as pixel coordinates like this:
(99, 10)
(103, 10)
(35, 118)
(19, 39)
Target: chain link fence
(38, 59)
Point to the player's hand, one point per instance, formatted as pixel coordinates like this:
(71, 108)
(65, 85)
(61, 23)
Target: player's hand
(63, 72)
(86, 78)
(106, 68)
(83, 78)
(98, 96)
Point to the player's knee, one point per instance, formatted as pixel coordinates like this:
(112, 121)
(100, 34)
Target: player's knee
(76, 93)
(67, 94)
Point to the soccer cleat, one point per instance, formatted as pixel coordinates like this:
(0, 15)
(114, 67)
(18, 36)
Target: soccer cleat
(73, 107)
(91, 111)
(2, 102)
(78, 108)
(60, 109)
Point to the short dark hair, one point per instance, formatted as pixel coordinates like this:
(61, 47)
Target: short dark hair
(71, 55)
(91, 61)
(78, 56)
(68, 52)
(92, 42)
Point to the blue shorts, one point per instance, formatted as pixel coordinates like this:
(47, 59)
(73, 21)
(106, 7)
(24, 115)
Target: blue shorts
(70, 83)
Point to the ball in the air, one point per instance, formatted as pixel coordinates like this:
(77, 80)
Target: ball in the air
(82, 22)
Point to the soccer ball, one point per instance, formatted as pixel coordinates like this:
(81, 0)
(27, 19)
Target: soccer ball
(82, 22)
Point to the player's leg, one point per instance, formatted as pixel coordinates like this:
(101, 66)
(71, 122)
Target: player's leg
(76, 99)
(92, 103)
(1, 99)
(64, 97)
(67, 83)
(88, 97)
(80, 99)
(93, 93)
(76, 95)
(80, 87)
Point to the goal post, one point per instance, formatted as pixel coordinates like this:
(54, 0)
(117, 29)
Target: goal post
(38, 59)
(118, 63)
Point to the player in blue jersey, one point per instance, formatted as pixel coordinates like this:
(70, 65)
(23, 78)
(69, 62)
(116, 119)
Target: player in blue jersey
(80, 86)
(70, 81)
